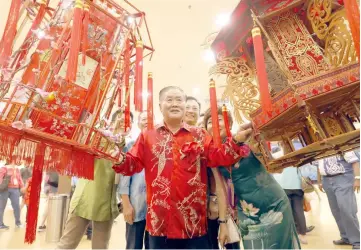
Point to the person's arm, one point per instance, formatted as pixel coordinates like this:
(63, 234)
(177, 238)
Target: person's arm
(222, 207)
(228, 154)
(132, 161)
(123, 191)
(319, 180)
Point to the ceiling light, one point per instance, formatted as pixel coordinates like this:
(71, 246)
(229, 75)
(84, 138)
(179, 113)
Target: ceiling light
(130, 20)
(209, 56)
(222, 20)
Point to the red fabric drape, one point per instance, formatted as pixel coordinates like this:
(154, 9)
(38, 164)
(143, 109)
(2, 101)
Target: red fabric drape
(353, 17)
(138, 88)
(7, 40)
(75, 42)
(226, 121)
(150, 124)
(266, 102)
(214, 112)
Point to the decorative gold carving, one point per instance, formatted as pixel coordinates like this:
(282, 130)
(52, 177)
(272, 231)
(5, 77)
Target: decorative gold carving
(240, 91)
(333, 29)
(331, 125)
(312, 124)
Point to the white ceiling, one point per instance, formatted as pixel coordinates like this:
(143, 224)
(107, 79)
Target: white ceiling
(178, 28)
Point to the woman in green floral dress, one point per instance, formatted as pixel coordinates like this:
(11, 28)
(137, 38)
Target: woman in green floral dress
(264, 213)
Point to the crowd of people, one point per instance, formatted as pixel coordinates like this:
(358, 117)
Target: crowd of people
(178, 189)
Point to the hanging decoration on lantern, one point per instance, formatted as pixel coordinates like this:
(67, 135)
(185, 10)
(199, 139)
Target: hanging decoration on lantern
(150, 124)
(226, 121)
(138, 89)
(34, 27)
(214, 113)
(127, 54)
(6, 43)
(266, 102)
(75, 42)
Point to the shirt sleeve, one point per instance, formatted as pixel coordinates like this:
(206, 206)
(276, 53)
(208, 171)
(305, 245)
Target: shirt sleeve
(351, 157)
(133, 162)
(228, 154)
(124, 184)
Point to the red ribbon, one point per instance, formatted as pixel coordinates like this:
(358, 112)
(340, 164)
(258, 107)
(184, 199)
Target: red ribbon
(138, 89)
(126, 83)
(6, 44)
(150, 102)
(74, 43)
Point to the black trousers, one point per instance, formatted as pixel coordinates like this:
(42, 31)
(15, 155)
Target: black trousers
(157, 242)
(213, 228)
(295, 197)
(136, 234)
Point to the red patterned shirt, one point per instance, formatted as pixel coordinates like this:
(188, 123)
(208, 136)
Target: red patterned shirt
(176, 177)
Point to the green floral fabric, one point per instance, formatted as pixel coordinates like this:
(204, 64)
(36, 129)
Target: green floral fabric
(264, 212)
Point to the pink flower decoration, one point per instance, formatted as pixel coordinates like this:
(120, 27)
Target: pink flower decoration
(18, 125)
(244, 150)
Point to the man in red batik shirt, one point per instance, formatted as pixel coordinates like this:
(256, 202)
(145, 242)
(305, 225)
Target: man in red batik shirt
(175, 157)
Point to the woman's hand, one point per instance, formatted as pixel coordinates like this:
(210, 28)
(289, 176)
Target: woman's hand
(243, 135)
(223, 236)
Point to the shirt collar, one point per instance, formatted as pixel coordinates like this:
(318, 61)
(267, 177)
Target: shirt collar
(184, 125)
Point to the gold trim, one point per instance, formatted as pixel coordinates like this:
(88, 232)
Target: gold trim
(139, 44)
(256, 31)
(224, 108)
(79, 4)
(150, 75)
(212, 84)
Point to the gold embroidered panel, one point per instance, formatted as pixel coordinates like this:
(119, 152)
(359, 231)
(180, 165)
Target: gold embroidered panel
(299, 52)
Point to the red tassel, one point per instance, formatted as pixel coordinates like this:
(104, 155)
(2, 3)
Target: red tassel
(6, 44)
(74, 43)
(138, 89)
(266, 102)
(38, 19)
(226, 121)
(150, 102)
(85, 32)
(214, 112)
(33, 209)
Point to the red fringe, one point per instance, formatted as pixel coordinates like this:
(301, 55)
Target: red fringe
(33, 209)
(7, 40)
(38, 19)
(266, 102)
(8, 142)
(138, 88)
(74, 43)
(150, 102)
(85, 32)
(226, 121)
